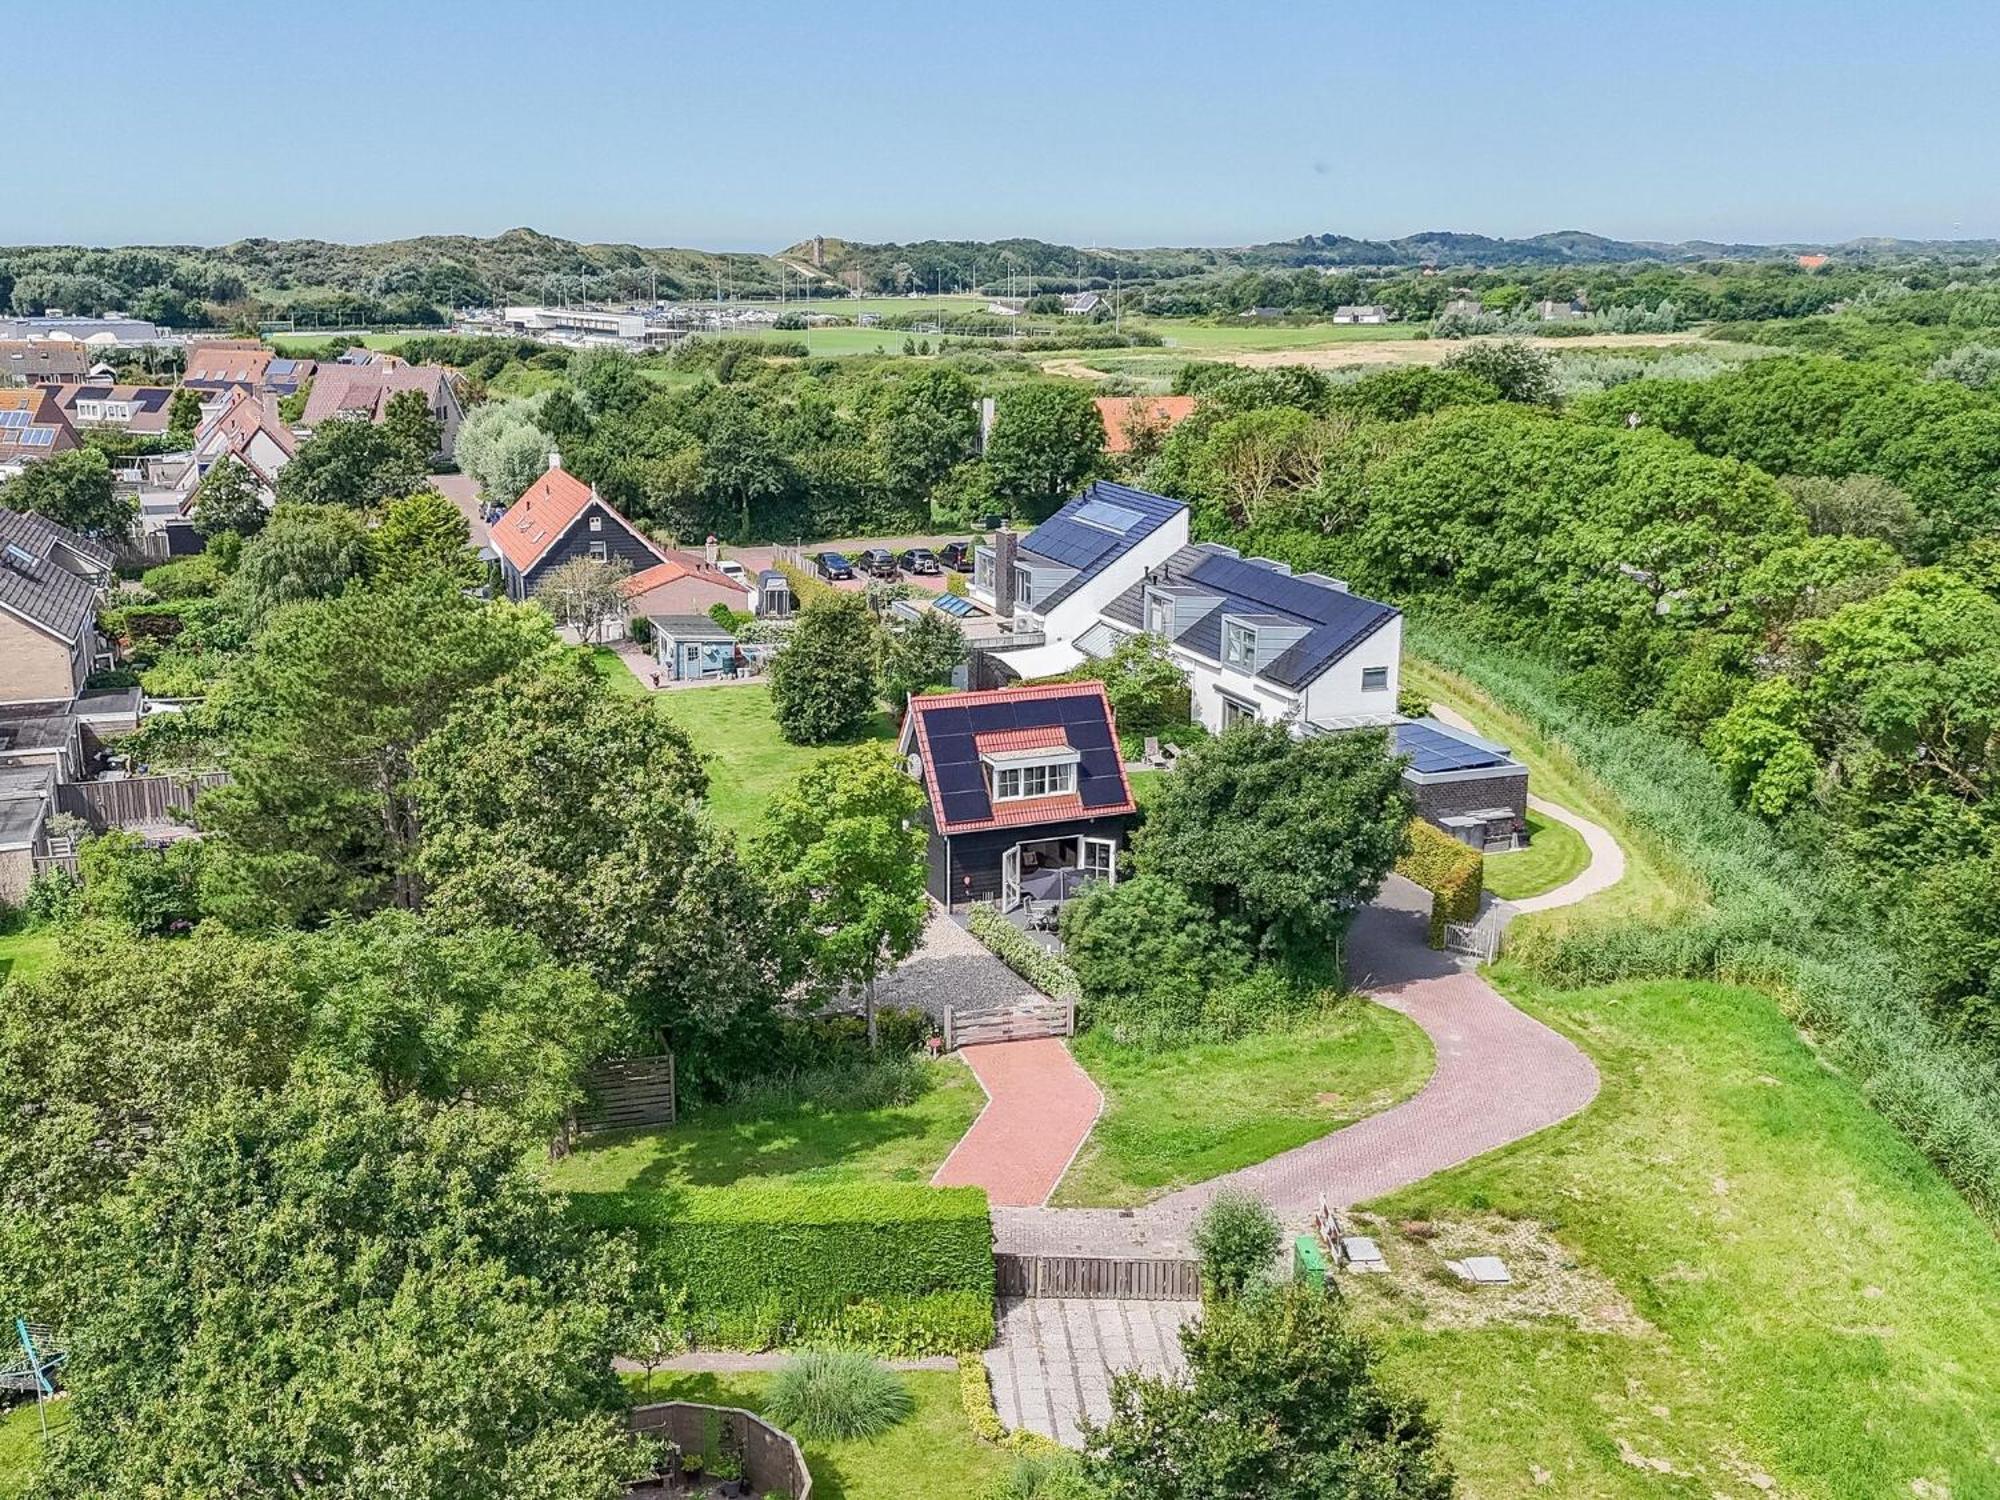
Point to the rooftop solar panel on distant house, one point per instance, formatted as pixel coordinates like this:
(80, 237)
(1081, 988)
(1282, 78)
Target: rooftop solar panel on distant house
(1434, 749)
(1111, 517)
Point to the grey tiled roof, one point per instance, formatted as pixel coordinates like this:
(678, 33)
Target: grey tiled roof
(46, 592)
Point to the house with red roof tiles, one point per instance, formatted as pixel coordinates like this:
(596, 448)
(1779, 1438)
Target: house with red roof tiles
(559, 519)
(363, 393)
(1025, 795)
(682, 584)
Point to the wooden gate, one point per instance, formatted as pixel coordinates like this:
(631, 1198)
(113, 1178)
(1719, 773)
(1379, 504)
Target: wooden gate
(629, 1091)
(1095, 1276)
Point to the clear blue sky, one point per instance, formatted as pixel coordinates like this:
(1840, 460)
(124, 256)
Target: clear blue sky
(751, 125)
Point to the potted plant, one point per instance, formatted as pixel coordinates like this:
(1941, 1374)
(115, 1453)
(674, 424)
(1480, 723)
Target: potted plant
(691, 1466)
(728, 1467)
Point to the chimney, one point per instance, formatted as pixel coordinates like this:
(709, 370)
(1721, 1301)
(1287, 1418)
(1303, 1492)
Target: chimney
(555, 460)
(1006, 547)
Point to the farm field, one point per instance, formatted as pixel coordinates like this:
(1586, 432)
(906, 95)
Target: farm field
(1186, 1114)
(931, 1455)
(1733, 1277)
(795, 1142)
(748, 761)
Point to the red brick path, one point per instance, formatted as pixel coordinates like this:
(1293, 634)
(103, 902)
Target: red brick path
(1040, 1106)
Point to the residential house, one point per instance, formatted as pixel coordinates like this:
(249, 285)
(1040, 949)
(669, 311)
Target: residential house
(1081, 304)
(341, 391)
(1551, 311)
(559, 519)
(33, 426)
(1121, 413)
(1025, 794)
(220, 364)
(43, 362)
(241, 426)
(50, 579)
(1463, 304)
(138, 409)
(1362, 313)
(683, 583)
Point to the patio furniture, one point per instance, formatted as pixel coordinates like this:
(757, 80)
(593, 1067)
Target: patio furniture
(1151, 754)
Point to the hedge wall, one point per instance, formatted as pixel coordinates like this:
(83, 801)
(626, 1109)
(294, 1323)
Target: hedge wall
(1022, 953)
(1454, 874)
(898, 1268)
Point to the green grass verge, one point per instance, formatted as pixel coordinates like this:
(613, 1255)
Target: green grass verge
(1555, 853)
(1186, 1114)
(719, 1146)
(934, 1455)
(1781, 1288)
(735, 729)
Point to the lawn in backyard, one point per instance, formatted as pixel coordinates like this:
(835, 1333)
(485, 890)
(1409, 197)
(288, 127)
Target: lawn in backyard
(25, 951)
(933, 1454)
(713, 1147)
(1732, 1277)
(21, 1443)
(1555, 853)
(735, 729)
(1184, 1114)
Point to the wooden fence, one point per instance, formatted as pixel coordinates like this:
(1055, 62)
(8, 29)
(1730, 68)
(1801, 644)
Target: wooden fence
(135, 800)
(629, 1091)
(1017, 1023)
(1092, 1276)
(772, 1461)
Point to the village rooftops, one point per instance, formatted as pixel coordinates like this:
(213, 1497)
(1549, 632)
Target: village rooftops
(966, 742)
(49, 575)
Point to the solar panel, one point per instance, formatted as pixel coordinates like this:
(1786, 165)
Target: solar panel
(1066, 543)
(951, 604)
(13, 418)
(1111, 517)
(1432, 751)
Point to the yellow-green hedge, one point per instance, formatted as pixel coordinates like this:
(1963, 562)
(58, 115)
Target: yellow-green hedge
(806, 584)
(1454, 875)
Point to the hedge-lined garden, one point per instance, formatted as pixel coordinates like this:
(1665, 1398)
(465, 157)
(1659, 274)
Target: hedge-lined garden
(900, 1269)
(1454, 874)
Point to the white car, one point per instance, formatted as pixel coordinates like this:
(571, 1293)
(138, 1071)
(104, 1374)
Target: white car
(734, 571)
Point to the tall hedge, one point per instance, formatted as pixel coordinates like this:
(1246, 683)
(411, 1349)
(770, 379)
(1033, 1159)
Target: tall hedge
(898, 1267)
(1453, 873)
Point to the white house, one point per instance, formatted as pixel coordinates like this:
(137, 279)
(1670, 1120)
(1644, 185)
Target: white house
(1364, 313)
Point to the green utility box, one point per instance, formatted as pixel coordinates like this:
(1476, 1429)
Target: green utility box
(1309, 1260)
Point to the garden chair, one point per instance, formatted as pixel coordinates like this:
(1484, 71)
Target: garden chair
(1151, 754)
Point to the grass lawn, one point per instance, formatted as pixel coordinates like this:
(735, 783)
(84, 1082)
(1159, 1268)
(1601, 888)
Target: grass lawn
(1555, 853)
(748, 760)
(1730, 1271)
(1182, 1116)
(21, 1443)
(284, 343)
(25, 953)
(715, 1147)
(932, 1455)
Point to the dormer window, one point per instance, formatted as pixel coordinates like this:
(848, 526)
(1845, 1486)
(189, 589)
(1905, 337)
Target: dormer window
(1239, 645)
(1037, 779)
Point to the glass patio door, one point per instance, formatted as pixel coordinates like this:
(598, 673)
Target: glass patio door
(1010, 879)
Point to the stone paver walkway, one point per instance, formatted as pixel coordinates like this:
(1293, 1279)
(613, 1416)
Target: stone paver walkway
(1054, 1358)
(1039, 1107)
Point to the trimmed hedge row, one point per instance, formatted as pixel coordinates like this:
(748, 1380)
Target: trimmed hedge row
(899, 1268)
(1454, 874)
(1018, 952)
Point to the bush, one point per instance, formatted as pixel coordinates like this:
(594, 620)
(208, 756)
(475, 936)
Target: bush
(1149, 957)
(1043, 1476)
(1453, 873)
(824, 683)
(1237, 1238)
(731, 620)
(901, 1268)
(187, 578)
(836, 1396)
(1025, 957)
(975, 1394)
(639, 630)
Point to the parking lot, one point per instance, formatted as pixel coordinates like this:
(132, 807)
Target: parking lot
(766, 556)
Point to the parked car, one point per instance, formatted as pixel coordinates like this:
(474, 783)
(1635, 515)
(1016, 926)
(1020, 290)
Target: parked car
(956, 556)
(919, 560)
(877, 562)
(734, 571)
(833, 567)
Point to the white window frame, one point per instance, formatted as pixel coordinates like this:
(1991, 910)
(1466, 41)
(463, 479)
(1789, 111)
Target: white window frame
(1375, 687)
(596, 523)
(1235, 712)
(1239, 644)
(1037, 778)
(1105, 868)
(599, 552)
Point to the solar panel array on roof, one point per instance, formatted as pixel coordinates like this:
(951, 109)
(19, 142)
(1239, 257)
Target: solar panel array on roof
(1239, 576)
(951, 731)
(1096, 528)
(1110, 517)
(1063, 540)
(1432, 749)
(951, 604)
(15, 417)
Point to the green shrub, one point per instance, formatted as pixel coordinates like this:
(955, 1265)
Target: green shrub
(1043, 1476)
(1237, 1239)
(975, 1394)
(1025, 957)
(837, 1396)
(186, 578)
(900, 1267)
(1152, 960)
(639, 630)
(1454, 874)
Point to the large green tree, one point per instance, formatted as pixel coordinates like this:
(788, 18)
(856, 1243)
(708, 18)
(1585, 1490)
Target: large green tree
(1284, 836)
(921, 653)
(1048, 441)
(845, 848)
(824, 682)
(306, 552)
(927, 426)
(74, 489)
(229, 498)
(1282, 1401)
(354, 463)
(325, 713)
(424, 533)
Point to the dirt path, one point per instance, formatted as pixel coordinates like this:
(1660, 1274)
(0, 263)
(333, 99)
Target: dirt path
(1367, 352)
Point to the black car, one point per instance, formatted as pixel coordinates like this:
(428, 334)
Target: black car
(877, 562)
(956, 556)
(833, 567)
(919, 560)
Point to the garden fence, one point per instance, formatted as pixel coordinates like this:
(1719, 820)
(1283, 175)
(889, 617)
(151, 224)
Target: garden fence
(1096, 1276)
(772, 1461)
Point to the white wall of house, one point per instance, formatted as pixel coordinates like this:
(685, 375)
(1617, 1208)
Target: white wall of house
(1337, 693)
(1080, 610)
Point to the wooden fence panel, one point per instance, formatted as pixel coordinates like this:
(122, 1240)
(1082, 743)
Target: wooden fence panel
(1095, 1276)
(772, 1461)
(137, 799)
(627, 1092)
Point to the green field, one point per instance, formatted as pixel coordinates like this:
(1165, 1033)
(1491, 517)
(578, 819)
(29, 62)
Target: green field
(1250, 334)
(932, 1455)
(733, 727)
(1555, 853)
(1732, 1278)
(285, 343)
(1185, 1114)
(718, 1146)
